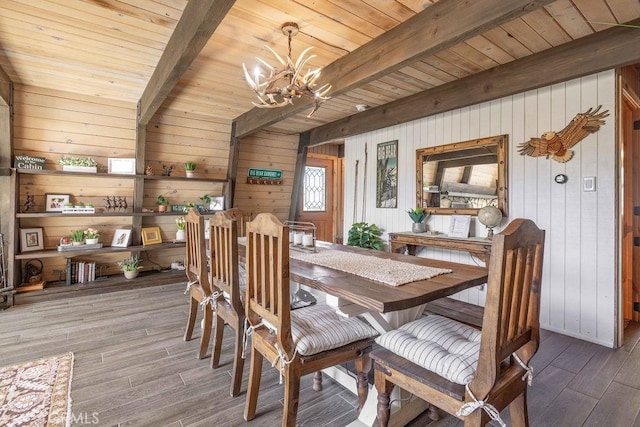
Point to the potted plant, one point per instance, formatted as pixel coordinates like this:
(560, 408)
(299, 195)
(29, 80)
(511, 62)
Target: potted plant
(418, 215)
(77, 237)
(163, 203)
(206, 201)
(188, 206)
(130, 266)
(78, 164)
(189, 168)
(365, 236)
(181, 223)
(91, 236)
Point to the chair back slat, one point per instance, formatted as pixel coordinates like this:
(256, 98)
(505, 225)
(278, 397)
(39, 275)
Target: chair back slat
(511, 320)
(243, 217)
(268, 276)
(223, 244)
(196, 257)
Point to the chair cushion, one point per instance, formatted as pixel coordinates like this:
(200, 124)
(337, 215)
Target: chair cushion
(319, 328)
(441, 345)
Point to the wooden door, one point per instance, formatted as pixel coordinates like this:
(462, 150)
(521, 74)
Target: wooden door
(317, 198)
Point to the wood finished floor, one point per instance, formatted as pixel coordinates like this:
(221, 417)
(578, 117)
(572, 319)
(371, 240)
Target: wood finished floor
(132, 367)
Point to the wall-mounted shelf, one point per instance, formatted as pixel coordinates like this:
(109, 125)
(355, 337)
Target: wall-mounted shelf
(54, 253)
(476, 246)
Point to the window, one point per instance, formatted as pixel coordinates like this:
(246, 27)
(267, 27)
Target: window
(315, 192)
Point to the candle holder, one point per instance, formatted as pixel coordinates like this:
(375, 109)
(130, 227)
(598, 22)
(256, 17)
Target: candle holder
(302, 236)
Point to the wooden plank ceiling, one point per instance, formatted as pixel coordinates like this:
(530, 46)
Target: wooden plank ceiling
(110, 48)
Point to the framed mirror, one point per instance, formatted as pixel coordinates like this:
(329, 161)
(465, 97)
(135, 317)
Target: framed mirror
(462, 177)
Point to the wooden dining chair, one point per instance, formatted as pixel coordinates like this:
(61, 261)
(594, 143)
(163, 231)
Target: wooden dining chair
(223, 245)
(296, 342)
(465, 372)
(243, 217)
(198, 286)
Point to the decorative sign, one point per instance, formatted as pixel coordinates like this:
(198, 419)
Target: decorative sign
(387, 175)
(28, 162)
(264, 176)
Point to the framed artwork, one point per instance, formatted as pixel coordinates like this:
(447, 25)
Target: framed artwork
(31, 239)
(121, 166)
(217, 203)
(151, 236)
(55, 202)
(459, 226)
(121, 238)
(387, 175)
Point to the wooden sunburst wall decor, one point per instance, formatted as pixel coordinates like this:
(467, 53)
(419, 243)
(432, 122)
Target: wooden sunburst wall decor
(557, 144)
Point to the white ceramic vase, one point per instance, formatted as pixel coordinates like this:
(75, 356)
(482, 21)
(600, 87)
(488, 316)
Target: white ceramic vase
(180, 235)
(91, 241)
(130, 274)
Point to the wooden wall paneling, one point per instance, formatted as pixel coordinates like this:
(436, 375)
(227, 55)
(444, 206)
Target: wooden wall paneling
(269, 151)
(572, 303)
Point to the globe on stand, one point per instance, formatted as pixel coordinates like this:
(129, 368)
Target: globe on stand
(490, 217)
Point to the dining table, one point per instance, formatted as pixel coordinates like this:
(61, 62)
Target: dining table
(383, 305)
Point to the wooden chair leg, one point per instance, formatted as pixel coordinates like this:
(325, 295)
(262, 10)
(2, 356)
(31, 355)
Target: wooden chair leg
(384, 388)
(317, 381)
(238, 361)
(206, 332)
(191, 320)
(255, 373)
(291, 394)
(518, 411)
(218, 334)
(363, 366)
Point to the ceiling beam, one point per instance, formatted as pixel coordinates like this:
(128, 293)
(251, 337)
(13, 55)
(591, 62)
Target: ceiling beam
(438, 27)
(615, 47)
(198, 22)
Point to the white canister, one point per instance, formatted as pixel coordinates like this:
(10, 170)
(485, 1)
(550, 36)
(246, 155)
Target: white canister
(297, 238)
(307, 240)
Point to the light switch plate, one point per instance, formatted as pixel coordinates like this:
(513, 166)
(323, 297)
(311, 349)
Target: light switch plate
(589, 183)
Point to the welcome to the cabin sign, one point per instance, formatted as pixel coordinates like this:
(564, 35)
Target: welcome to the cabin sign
(22, 161)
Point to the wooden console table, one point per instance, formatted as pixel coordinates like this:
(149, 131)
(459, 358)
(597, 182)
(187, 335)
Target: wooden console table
(476, 246)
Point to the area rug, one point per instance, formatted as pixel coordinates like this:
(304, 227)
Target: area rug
(37, 393)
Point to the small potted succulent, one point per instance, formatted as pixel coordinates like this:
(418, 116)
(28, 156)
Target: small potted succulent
(189, 168)
(77, 237)
(163, 203)
(418, 215)
(130, 266)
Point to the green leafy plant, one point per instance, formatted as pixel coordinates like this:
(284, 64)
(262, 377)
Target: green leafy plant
(77, 161)
(365, 235)
(77, 235)
(418, 214)
(130, 264)
(206, 199)
(188, 206)
(162, 200)
(189, 166)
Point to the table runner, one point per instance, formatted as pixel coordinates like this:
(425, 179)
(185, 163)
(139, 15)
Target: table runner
(387, 271)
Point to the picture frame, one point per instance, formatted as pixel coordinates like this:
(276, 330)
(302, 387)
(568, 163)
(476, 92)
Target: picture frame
(31, 239)
(217, 203)
(121, 238)
(151, 236)
(459, 226)
(387, 175)
(121, 166)
(54, 202)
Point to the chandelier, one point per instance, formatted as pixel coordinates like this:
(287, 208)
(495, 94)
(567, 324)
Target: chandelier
(285, 84)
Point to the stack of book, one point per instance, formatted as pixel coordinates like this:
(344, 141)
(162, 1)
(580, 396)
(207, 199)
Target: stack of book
(83, 272)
